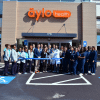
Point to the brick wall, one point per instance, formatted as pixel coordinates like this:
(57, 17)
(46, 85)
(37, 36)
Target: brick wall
(89, 31)
(8, 24)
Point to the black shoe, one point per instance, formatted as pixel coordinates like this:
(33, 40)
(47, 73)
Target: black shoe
(6, 74)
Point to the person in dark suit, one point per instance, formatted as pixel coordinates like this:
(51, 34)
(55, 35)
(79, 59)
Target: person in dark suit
(37, 54)
(33, 61)
(44, 62)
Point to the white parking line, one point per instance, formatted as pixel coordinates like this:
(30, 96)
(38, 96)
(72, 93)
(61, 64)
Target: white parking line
(66, 80)
(57, 83)
(2, 66)
(47, 77)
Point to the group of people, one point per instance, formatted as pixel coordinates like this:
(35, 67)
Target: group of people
(80, 60)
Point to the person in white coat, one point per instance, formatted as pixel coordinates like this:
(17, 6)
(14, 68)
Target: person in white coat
(6, 60)
(19, 61)
(24, 55)
(14, 60)
(30, 55)
(57, 61)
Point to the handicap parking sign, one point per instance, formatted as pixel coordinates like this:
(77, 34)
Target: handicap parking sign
(84, 43)
(25, 42)
(6, 79)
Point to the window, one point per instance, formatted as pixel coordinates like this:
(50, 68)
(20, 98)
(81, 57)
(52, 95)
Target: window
(0, 23)
(98, 40)
(1, 6)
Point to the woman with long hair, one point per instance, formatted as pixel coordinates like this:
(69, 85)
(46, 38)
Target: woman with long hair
(19, 61)
(81, 61)
(24, 55)
(93, 57)
(44, 63)
(30, 55)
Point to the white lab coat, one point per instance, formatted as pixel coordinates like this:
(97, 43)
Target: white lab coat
(57, 55)
(18, 55)
(23, 56)
(52, 56)
(13, 55)
(6, 56)
(30, 54)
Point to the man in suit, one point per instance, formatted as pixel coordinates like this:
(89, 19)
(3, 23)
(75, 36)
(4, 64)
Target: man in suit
(33, 47)
(37, 54)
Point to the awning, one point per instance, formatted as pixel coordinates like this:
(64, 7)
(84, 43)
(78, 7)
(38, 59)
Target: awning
(49, 35)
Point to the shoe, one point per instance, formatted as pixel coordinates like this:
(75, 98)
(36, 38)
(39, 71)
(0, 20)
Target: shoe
(25, 73)
(6, 74)
(85, 73)
(19, 73)
(38, 71)
(35, 72)
(80, 74)
(93, 73)
(89, 71)
(31, 72)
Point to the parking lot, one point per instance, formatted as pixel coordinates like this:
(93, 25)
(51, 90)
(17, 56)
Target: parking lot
(51, 86)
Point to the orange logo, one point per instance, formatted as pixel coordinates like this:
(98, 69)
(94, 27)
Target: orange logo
(48, 13)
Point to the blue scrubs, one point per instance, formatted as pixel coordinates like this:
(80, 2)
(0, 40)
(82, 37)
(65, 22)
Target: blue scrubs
(73, 57)
(64, 61)
(75, 62)
(82, 62)
(67, 59)
(93, 57)
(70, 66)
(86, 63)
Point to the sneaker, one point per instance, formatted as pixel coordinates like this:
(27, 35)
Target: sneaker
(89, 71)
(25, 73)
(35, 72)
(80, 74)
(85, 73)
(93, 73)
(19, 73)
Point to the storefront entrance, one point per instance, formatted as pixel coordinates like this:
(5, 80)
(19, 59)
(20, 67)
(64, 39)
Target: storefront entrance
(58, 42)
(45, 41)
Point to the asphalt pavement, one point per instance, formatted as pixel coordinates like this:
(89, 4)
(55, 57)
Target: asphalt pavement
(51, 86)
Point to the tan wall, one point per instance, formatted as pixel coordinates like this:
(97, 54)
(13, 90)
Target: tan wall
(89, 23)
(16, 21)
(49, 25)
(8, 24)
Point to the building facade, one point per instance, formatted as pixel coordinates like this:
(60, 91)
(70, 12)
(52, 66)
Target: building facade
(17, 26)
